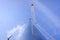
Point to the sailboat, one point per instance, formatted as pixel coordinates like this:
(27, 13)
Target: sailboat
(33, 30)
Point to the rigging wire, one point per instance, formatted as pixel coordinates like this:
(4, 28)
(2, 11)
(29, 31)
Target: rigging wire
(36, 23)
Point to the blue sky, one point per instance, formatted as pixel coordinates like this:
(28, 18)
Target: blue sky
(15, 12)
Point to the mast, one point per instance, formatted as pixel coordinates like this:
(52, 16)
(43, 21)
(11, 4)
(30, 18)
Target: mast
(33, 14)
